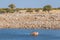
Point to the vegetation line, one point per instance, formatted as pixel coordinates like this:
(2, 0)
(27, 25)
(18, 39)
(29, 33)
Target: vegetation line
(12, 8)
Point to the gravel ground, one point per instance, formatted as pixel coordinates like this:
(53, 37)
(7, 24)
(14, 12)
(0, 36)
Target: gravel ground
(17, 20)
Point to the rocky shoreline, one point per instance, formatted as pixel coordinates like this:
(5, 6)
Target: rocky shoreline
(30, 21)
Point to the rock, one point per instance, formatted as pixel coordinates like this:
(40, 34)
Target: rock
(34, 33)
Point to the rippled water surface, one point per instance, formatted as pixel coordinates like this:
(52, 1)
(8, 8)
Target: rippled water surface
(24, 34)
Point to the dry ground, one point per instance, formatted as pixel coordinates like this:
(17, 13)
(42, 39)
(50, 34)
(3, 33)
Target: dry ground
(40, 20)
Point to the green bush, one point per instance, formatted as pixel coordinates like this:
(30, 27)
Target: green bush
(2, 11)
(12, 6)
(47, 8)
(29, 10)
(37, 10)
(17, 9)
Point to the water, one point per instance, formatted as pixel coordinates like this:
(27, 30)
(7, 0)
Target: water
(24, 34)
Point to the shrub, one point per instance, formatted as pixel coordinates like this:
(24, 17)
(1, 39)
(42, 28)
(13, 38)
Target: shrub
(47, 8)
